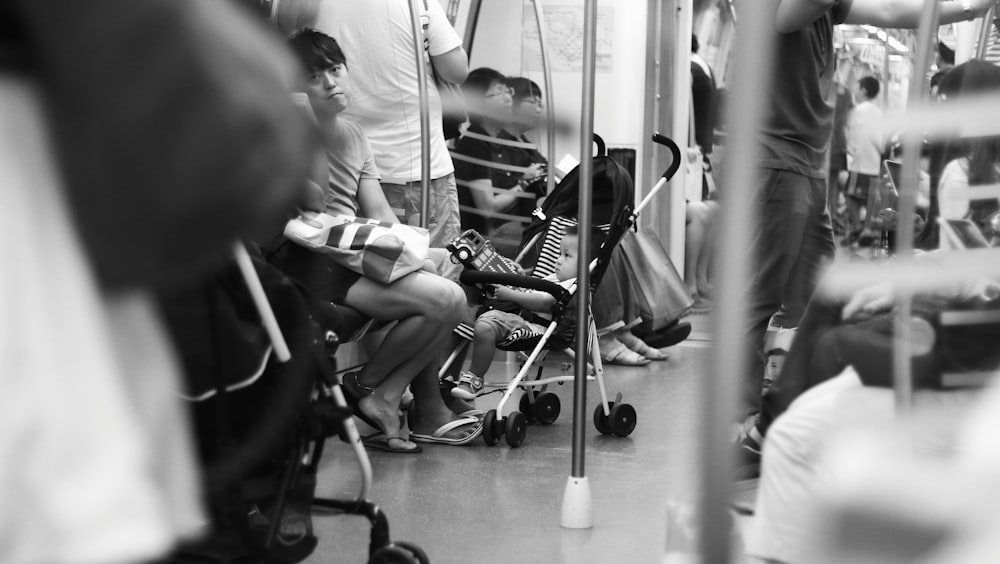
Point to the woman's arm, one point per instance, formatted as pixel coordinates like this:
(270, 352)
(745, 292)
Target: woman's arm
(372, 203)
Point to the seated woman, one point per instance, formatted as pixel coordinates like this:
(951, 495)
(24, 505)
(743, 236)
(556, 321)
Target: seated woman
(979, 163)
(426, 306)
(491, 187)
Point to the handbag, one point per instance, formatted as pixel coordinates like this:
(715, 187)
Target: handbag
(658, 287)
(454, 111)
(379, 250)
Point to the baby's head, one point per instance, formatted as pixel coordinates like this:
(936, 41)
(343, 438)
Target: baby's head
(568, 252)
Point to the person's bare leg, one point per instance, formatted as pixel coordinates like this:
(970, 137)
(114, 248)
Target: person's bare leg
(705, 288)
(429, 307)
(694, 241)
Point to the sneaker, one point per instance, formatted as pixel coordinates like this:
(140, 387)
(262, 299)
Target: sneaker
(469, 386)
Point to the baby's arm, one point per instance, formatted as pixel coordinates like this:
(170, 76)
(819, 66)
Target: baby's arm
(530, 299)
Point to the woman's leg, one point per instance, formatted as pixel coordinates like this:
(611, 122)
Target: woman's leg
(705, 289)
(696, 230)
(428, 308)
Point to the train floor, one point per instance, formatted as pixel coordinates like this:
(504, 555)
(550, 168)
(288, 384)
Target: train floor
(482, 504)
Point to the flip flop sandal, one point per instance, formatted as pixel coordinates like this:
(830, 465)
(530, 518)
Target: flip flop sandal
(354, 392)
(438, 436)
(382, 442)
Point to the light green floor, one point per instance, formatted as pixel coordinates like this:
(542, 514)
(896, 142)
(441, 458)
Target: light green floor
(496, 504)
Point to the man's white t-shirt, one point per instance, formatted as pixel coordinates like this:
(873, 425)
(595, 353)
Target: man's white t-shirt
(865, 138)
(377, 39)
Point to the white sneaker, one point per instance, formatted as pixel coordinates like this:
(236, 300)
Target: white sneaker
(469, 387)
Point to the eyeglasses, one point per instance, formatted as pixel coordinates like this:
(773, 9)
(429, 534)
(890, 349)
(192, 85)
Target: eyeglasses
(505, 91)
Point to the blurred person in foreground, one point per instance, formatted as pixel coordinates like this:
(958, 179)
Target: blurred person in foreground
(140, 139)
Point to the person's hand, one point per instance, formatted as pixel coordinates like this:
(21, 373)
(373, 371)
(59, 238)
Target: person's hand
(869, 301)
(504, 293)
(534, 171)
(313, 199)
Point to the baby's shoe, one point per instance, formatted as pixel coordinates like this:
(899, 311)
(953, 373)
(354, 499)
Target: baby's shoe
(469, 386)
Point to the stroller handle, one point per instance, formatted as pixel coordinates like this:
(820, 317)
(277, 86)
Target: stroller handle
(675, 152)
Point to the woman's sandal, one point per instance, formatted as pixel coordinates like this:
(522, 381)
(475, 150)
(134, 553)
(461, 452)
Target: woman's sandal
(624, 356)
(639, 346)
(354, 392)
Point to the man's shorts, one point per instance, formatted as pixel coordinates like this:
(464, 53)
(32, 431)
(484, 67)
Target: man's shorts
(858, 185)
(444, 224)
(504, 323)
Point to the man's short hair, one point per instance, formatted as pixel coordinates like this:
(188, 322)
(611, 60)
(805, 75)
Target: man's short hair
(870, 85)
(524, 88)
(480, 80)
(316, 50)
(946, 53)
(694, 43)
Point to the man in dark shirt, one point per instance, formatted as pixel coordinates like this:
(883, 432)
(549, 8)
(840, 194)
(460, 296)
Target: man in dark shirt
(794, 238)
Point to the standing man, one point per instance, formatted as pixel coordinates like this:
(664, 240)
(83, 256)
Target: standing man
(378, 38)
(703, 100)
(794, 238)
(865, 143)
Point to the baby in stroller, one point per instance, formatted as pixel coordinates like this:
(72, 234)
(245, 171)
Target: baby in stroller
(498, 325)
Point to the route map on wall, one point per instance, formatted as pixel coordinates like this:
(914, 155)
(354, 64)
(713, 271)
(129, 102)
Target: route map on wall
(564, 34)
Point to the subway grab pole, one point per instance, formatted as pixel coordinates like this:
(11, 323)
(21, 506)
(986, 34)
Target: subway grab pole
(902, 352)
(422, 58)
(550, 111)
(576, 507)
(753, 66)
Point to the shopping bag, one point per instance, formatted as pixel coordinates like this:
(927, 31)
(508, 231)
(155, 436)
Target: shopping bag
(381, 251)
(659, 288)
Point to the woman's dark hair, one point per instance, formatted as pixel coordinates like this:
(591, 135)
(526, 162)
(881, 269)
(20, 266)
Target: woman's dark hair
(316, 50)
(970, 78)
(479, 80)
(523, 88)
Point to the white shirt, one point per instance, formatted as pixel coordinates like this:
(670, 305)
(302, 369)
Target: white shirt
(865, 139)
(377, 38)
(953, 197)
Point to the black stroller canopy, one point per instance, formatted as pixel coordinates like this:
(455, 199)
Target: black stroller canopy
(613, 190)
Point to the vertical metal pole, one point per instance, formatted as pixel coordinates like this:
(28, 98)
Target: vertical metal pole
(576, 510)
(752, 68)
(902, 351)
(550, 112)
(984, 33)
(583, 217)
(422, 59)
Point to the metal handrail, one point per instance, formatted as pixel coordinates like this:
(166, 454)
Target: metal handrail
(984, 33)
(902, 352)
(421, 56)
(550, 112)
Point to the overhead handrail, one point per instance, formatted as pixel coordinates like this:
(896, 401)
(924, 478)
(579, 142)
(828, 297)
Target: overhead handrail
(422, 58)
(550, 112)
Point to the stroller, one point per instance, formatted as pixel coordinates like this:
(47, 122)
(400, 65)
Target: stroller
(612, 198)
(265, 398)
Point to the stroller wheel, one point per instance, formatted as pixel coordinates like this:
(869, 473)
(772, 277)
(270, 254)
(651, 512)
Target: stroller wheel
(527, 407)
(395, 554)
(623, 419)
(516, 429)
(422, 557)
(492, 429)
(547, 407)
(601, 421)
